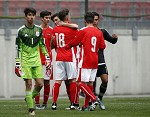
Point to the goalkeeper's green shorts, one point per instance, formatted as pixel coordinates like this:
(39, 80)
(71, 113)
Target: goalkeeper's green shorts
(32, 72)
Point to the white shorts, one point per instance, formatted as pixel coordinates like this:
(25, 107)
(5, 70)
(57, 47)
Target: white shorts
(86, 75)
(46, 77)
(65, 70)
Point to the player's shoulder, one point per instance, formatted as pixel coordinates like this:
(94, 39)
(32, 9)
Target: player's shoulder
(98, 31)
(84, 28)
(62, 28)
(57, 27)
(50, 27)
(38, 26)
(21, 28)
(103, 30)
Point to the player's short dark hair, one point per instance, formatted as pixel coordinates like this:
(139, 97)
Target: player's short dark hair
(53, 16)
(62, 14)
(96, 14)
(45, 13)
(89, 17)
(29, 10)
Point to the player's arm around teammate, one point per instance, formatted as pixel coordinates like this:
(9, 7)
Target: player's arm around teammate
(65, 59)
(90, 39)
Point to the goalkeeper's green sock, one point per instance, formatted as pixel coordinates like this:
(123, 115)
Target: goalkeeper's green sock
(29, 99)
(36, 91)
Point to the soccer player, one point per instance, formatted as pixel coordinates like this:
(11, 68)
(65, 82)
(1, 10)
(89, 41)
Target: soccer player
(28, 62)
(65, 59)
(90, 40)
(102, 71)
(55, 18)
(57, 21)
(48, 73)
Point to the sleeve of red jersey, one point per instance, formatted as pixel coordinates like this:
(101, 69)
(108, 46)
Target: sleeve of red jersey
(76, 40)
(102, 45)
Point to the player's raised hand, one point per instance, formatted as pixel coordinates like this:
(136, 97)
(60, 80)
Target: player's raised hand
(114, 36)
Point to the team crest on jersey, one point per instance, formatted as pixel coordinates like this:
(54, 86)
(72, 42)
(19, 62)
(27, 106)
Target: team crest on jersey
(37, 33)
(26, 35)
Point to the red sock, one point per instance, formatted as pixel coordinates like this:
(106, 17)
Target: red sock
(37, 98)
(68, 88)
(87, 98)
(55, 92)
(77, 96)
(46, 93)
(87, 91)
(73, 88)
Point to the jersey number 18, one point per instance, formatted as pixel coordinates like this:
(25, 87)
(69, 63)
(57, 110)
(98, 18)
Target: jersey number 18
(60, 39)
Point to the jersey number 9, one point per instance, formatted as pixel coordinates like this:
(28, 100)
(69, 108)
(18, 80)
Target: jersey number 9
(93, 42)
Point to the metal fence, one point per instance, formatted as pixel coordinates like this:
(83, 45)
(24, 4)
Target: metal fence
(115, 14)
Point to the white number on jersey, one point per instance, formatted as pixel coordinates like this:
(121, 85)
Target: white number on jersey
(44, 40)
(32, 41)
(93, 42)
(60, 39)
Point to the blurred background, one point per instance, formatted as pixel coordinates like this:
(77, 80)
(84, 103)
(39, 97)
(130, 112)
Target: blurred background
(128, 61)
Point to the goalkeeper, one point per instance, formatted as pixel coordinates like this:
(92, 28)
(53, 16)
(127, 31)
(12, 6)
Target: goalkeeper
(28, 62)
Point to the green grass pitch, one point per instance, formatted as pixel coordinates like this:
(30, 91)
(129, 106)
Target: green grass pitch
(115, 107)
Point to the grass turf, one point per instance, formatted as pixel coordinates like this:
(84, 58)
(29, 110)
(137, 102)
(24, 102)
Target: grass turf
(115, 107)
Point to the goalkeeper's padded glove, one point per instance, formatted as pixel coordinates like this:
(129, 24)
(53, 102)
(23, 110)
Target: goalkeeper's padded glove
(49, 71)
(18, 70)
(48, 62)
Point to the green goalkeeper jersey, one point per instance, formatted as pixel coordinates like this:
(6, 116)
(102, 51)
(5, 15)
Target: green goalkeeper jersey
(28, 42)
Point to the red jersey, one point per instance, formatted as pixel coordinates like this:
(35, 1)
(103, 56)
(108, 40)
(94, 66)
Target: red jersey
(47, 34)
(63, 35)
(90, 40)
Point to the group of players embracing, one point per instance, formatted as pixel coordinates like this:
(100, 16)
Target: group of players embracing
(79, 59)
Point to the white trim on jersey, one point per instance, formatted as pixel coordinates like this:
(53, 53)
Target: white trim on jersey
(81, 57)
(73, 55)
(101, 63)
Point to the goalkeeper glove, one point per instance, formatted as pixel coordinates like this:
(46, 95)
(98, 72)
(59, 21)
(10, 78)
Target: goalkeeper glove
(49, 71)
(48, 62)
(18, 70)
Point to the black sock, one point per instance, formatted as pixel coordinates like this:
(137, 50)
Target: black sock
(102, 90)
